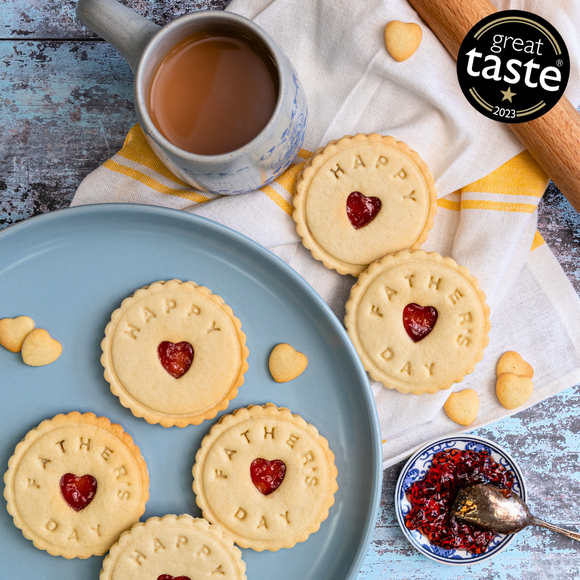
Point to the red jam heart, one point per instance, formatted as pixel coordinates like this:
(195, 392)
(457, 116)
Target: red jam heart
(361, 210)
(77, 491)
(175, 358)
(419, 320)
(267, 475)
(170, 577)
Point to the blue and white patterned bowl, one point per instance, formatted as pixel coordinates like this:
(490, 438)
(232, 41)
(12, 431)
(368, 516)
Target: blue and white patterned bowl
(416, 468)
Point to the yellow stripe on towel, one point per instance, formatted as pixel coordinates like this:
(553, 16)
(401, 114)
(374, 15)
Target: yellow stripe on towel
(449, 203)
(277, 199)
(138, 150)
(518, 176)
(289, 177)
(538, 241)
(152, 183)
(498, 206)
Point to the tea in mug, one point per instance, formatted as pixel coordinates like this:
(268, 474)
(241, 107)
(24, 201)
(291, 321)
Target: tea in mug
(213, 92)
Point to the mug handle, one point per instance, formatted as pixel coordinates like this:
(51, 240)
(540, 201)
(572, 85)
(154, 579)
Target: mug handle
(122, 27)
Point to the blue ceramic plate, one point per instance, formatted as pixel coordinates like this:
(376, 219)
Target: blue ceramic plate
(416, 468)
(70, 269)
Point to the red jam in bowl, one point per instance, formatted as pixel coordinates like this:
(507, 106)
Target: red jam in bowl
(432, 498)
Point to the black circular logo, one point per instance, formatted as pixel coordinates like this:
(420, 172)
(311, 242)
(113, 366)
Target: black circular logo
(513, 66)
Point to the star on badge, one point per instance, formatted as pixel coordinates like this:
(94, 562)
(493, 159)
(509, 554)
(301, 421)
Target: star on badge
(508, 94)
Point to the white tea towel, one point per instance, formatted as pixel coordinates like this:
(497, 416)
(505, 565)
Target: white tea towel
(488, 190)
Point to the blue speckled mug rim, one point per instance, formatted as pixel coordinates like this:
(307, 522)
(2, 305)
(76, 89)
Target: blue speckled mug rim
(463, 558)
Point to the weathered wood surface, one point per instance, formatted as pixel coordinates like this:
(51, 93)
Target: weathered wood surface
(66, 106)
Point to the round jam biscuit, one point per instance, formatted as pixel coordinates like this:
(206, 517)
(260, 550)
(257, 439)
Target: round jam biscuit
(75, 483)
(418, 321)
(174, 353)
(362, 197)
(265, 476)
(174, 547)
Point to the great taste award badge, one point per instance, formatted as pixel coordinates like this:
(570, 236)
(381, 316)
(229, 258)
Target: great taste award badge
(513, 66)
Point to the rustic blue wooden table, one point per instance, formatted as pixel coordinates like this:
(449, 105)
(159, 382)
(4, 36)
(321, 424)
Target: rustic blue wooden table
(66, 105)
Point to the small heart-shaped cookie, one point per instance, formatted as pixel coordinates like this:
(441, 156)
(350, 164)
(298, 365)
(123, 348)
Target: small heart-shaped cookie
(39, 348)
(512, 390)
(462, 407)
(402, 39)
(13, 331)
(286, 363)
(512, 362)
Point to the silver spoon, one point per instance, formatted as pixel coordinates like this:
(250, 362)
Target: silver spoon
(484, 506)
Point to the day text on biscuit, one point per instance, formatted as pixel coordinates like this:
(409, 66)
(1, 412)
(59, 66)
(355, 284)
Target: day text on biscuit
(388, 354)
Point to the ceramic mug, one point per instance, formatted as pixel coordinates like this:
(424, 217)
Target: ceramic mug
(144, 44)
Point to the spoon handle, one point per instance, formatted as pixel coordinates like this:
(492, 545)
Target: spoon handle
(541, 523)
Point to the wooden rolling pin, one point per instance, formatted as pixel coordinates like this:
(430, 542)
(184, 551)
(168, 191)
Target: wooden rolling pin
(554, 138)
